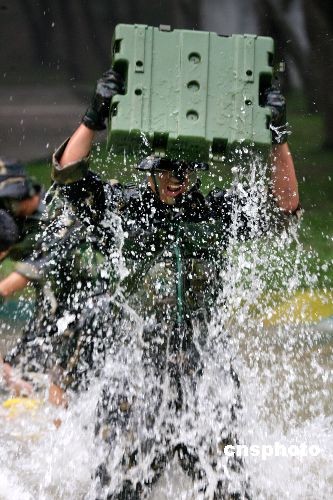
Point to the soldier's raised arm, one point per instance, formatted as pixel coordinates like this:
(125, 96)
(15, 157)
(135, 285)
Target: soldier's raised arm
(79, 145)
(284, 181)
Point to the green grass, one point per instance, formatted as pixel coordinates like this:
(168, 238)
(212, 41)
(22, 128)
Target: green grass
(41, 170)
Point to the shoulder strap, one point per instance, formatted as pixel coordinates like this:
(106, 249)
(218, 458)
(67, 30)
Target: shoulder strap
(132, 192)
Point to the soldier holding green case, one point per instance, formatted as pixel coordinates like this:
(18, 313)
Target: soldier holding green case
(173, 241)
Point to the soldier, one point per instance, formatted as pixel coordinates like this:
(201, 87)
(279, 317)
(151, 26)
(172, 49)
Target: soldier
(59, 285)
(22, 198)
(173, 239)
(51, 341)
(9, 237)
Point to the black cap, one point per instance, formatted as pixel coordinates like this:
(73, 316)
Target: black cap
(14, 180)
(152, 163)
(9, 233)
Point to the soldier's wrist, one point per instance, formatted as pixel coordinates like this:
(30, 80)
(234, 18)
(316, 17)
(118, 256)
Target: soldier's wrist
(93, 121)
(279, 134)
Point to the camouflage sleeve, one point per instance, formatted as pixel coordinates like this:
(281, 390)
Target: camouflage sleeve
(30, 253)
(58, 232)
(43, 256)
(26, 245)
(70, 173)
(30, 270)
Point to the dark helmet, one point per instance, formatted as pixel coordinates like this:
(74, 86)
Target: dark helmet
(178, 167)
(14, 181)
(9, 233)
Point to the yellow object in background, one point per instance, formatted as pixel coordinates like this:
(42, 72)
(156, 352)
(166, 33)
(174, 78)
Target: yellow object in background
(17, 406)
(303, 307)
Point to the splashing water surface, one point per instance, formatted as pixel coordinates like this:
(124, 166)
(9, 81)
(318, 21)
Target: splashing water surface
(275, 375)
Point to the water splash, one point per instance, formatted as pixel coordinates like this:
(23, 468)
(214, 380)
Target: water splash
(284, 370)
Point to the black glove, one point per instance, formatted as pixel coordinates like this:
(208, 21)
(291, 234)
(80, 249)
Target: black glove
(109, 85)
(276, 101)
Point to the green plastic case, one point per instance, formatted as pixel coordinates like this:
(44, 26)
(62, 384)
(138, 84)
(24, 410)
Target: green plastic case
(189, 94)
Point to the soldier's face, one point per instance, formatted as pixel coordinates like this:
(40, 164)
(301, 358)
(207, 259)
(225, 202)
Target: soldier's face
(21, 208)
(169, 186)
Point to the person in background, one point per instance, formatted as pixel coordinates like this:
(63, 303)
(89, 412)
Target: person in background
(21, 209)
(22, 198)
(9, 236)
(61, 286)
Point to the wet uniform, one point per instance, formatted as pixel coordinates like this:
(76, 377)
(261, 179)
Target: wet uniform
(51, 340)
(173, 257)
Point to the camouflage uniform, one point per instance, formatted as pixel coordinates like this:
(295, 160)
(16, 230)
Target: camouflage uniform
(63, 282)
(174, 257)
(15, 185)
